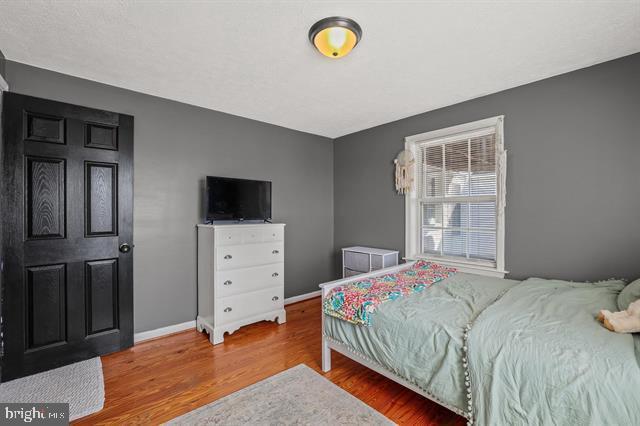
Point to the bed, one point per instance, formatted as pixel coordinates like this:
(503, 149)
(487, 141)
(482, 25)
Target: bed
(499, 351)
(538, 356)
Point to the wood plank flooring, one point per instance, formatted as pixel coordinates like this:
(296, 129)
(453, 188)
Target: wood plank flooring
(160, 379)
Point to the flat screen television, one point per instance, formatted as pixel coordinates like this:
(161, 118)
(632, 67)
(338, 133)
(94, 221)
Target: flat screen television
(238, 199)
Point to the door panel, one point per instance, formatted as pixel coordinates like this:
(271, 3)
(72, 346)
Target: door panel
(43, 128)
(45, 181)
(101, 288)
(101, 136)
(101, 199)
(67, 197)
(46, 305)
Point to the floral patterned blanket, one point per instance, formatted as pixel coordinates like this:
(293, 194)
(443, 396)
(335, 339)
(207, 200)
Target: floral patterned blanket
(355, 302)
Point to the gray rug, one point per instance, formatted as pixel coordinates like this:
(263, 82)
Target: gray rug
(80, 384)
(297, 396)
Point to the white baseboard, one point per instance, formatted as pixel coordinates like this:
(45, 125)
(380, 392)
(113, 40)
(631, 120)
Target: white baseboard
(301, 297)
(163, 331)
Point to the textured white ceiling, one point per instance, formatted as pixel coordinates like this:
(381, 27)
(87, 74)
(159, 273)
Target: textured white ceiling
(253, 59)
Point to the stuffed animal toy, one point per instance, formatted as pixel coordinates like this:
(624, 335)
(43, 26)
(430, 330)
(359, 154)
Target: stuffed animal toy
(624, 321)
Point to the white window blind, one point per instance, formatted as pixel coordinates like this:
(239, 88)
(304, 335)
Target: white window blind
(457, 196)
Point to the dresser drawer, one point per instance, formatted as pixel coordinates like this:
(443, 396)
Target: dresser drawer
(248, 235)
(227, 237)
(235, 281)
(273, 234)
(236, 308)
(230, 257)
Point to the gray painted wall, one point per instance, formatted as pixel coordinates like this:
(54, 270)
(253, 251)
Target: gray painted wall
(573, 174)
(176, 146)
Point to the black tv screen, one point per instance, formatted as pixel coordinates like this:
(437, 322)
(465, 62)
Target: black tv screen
(238, 199)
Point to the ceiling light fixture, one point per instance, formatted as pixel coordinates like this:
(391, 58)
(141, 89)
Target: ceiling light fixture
(336, 36)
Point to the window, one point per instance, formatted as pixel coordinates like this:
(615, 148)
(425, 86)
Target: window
(455, 211)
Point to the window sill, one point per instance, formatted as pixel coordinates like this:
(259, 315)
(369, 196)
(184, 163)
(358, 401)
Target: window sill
(468, 267)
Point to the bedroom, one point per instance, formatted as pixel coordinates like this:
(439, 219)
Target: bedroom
(145, 100)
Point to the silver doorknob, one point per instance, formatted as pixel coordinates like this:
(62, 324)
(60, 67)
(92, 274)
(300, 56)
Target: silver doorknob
(275, 274)
(228, 256)
(227, 282)
(124, 248)
(228, 309)
(274, 298)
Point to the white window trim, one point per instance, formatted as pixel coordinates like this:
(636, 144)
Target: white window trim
(412, 216)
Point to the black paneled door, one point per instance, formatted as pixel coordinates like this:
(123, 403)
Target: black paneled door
(67, 222)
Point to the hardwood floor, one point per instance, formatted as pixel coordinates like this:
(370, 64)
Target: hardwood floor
(163, 378)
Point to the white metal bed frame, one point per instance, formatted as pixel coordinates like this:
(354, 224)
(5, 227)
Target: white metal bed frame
(329, 344)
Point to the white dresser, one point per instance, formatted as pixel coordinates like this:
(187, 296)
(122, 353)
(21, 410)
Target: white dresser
(240, 277)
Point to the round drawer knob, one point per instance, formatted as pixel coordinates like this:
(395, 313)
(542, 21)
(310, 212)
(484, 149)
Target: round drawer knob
(228, 256)
(228, 309)
(274, 298)
(228, 282)
(275, 251)
(275, 274)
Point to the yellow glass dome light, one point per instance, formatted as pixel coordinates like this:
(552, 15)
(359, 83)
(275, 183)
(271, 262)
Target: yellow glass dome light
(335, 37)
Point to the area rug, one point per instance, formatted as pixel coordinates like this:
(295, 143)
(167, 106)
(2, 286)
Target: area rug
(297, 396)
(80, 384)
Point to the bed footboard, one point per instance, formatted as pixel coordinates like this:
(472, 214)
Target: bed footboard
(326, 287)
(329, 344)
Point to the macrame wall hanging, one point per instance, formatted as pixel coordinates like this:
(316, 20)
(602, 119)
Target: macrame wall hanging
(405, 164)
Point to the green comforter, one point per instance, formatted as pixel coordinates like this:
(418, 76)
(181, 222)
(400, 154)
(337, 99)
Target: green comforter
(419, 337)
(538, 357)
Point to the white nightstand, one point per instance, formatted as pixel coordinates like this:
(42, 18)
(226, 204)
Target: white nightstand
(358, 260)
